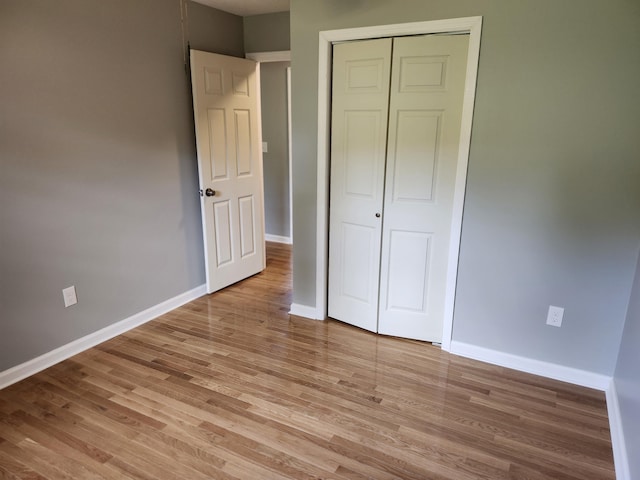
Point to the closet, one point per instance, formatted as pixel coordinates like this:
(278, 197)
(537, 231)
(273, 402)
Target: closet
(395, 129)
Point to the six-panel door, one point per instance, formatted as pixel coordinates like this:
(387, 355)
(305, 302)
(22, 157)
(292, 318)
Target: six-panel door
(225, 97)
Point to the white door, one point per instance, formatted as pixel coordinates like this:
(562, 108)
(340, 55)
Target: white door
(360, 107)
(427, 85)
(396, 264)
(225, 101)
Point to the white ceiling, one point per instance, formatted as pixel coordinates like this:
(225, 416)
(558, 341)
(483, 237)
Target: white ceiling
(248, 7)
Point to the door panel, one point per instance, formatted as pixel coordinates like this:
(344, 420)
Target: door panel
(217, 144)
(415, 174)
(427, 88)
(225, 99)
(358, 262)
(222, 225)
(362, 135)
(247, 222)
(409, 259)
(359, 123)
(244, 155)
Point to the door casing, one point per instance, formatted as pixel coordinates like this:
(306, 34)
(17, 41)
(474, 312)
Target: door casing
(470, 25)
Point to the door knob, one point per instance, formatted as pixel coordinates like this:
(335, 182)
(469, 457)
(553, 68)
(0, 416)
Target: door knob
(377, 215)
(209, 192)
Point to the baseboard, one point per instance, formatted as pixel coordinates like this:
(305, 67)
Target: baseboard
(530, 365)
(304, 311)
(620, 458)
(31, 367)
(277, 238)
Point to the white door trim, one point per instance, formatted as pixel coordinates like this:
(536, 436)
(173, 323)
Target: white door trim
(471, 25)
(281, 56)
(290, 143)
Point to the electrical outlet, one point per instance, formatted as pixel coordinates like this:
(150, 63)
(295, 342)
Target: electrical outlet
(554, 317)
(265, 147)
(69, 295)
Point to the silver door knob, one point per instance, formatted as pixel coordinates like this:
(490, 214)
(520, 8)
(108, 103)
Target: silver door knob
(377, 215)
(209, 192)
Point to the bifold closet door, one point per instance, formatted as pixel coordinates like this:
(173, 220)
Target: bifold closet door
(427, 89)
(395, 135)
(360, 106)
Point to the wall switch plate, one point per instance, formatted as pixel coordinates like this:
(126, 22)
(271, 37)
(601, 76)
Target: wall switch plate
(265, 147)
(554, 317)
(69, 295)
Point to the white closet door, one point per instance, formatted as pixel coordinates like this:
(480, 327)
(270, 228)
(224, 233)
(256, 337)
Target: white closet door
(427, 88)
(358, 145)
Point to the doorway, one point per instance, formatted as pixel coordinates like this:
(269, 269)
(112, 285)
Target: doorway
(275, 85)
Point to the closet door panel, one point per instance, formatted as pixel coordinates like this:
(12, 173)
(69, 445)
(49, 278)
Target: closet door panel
(427, 87)
(360, 103)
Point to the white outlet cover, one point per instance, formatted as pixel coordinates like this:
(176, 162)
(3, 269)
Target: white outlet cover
(265, 147)
(69, 295)
(554, 317)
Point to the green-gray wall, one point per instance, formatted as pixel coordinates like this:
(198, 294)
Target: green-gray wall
(98, 174)
(553, 188)
(211, 30)
(273, 91)
(267, 33)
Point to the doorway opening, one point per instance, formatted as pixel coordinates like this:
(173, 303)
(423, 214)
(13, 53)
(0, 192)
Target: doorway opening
(275, 76)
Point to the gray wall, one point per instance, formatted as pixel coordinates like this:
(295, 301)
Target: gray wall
(553, 189)
(98, 174)
(627, 379)
(267, 33)
(273, 84)
(215, 31)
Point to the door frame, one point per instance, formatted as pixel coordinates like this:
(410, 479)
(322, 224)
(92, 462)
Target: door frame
(281, 56)
(470, 25)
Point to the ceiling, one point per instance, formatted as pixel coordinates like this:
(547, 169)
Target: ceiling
(248, 7)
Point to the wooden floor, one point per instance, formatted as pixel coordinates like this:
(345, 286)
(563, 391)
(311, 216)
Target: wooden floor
(229, 386)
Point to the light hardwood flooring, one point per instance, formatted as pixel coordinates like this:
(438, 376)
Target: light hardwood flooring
(230, 387)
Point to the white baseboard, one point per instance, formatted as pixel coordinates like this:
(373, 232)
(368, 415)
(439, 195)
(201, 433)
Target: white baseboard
(33, 366)
(620, 458)
(530, 365)
(277, 238)
(304, 311)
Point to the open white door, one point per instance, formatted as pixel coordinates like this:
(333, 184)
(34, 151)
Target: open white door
(227, 116)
